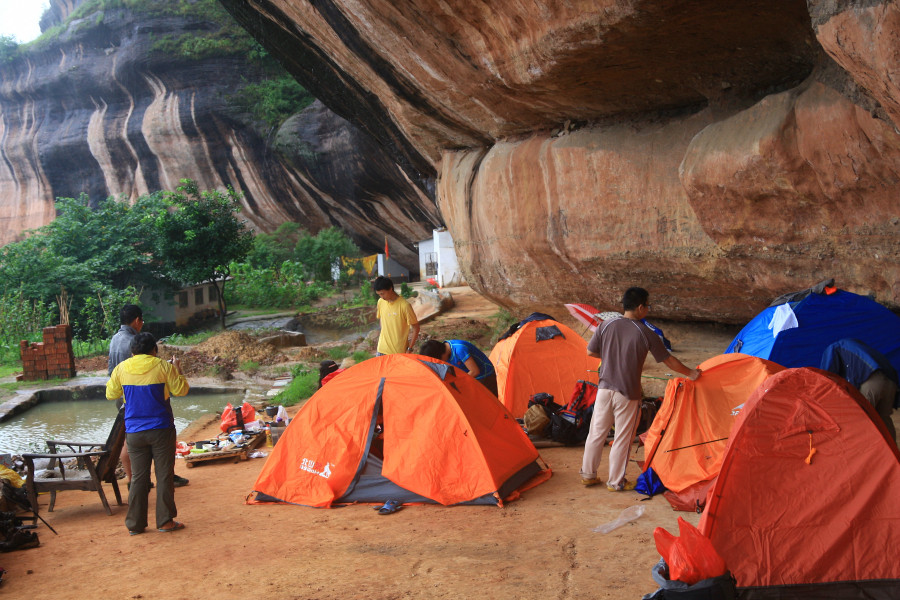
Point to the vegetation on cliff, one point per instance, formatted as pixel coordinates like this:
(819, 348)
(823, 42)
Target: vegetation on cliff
(266, 93)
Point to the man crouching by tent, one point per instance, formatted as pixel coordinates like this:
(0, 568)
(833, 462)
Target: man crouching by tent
(622, 344)
(146, 381)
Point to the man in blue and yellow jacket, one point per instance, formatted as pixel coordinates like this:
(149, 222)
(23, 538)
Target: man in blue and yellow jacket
(146, 383)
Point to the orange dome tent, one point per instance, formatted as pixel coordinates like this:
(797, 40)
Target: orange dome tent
(541, 356)
(686, 441)
(805, 505)
(400, 427)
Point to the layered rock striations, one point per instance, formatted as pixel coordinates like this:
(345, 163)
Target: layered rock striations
(101, 110)
(718, 153)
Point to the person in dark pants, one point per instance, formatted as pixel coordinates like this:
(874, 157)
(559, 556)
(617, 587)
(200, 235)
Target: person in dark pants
(146, 383)
(131, 319)
(870, 372)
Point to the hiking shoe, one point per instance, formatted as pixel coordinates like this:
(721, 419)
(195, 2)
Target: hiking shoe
(589, 482)
(625, 486)
(180, 481)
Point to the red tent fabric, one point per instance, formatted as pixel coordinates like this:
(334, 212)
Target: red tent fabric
(686, 441)
(806, 502)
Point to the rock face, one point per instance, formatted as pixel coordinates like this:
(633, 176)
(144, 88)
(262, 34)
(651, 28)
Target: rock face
(717, 153)
(100, 111)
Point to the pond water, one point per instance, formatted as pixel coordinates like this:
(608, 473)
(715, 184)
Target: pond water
(91, 420)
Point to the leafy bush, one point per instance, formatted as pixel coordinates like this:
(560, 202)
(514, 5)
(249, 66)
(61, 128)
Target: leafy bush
(360, 355)
(83, 349)
(250, 366)
(503, 319)
(406, 291)
(21, 318)
(303, 386)
(273, 100)
(338, 353)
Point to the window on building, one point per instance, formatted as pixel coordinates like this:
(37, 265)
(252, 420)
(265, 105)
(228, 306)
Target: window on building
(431, 264)
(198, 296)
(212, 293)
(182, 299)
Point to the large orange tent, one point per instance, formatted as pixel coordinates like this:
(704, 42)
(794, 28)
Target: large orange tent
(542, 356)
(400, 427)
(686, 441)
(805, 505)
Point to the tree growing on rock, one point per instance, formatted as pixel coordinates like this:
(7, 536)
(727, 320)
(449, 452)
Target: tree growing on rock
(200, 236)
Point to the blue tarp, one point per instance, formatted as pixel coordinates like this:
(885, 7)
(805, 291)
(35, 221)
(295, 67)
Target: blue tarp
(823, 320)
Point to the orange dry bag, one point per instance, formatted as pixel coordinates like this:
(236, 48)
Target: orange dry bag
(691, 557)
(229, 417)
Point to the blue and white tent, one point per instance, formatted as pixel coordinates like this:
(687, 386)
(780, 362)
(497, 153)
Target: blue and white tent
(794, 334)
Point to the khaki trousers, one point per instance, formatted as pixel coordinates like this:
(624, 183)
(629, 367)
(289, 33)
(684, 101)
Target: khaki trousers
(880, 392)
(610, 408)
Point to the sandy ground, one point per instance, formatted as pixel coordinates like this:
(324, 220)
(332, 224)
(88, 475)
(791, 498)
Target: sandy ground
(541, 546)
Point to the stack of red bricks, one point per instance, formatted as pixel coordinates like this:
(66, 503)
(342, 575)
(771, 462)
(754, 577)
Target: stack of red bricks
(51, 359)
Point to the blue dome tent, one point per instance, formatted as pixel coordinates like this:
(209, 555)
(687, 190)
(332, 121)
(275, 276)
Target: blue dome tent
(820, 320)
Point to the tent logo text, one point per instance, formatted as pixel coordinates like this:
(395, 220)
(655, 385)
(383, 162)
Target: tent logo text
(311, 466)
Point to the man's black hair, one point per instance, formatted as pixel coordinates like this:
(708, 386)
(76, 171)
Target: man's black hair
(433, 348)
(143, 343)
(129, 313)
(634, 297)
(382, 283)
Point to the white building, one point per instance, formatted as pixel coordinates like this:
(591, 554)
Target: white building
(437, 260)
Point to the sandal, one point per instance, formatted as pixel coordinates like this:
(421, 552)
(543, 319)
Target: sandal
(133, 532)
(175, 527)
(390, 507)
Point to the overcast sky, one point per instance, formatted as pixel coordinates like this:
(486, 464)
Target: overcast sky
(20, 18)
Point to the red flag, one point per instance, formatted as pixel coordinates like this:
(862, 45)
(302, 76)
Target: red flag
(386, 253)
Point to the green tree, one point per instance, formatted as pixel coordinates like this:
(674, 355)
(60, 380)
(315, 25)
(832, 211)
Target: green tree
(270, 250)
(319, 253)
(200, 236)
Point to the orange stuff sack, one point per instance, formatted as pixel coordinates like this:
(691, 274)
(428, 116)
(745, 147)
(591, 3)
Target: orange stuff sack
(229, 418)
(691, 557)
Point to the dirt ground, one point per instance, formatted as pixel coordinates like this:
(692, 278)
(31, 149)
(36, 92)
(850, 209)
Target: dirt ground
(539, 547)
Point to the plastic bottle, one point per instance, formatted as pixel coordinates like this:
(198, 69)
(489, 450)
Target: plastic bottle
(626, 516)
(269, 436)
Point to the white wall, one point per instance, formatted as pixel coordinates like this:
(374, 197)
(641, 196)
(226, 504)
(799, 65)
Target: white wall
(449, 274)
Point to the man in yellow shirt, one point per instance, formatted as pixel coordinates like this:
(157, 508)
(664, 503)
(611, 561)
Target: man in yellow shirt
(397, 319)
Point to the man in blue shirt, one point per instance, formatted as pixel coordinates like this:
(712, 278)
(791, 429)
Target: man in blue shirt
(463, 355)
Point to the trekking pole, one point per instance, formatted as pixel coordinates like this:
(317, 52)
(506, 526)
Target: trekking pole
(698, 444)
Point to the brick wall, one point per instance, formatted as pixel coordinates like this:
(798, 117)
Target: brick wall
(51, 359)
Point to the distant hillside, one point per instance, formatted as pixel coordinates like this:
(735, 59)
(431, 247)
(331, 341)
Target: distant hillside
(125, 97)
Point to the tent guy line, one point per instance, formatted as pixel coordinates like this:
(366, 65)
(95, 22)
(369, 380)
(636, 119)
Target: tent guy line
(697, 444)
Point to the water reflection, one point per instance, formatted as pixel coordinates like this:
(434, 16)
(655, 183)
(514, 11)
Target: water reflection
(91, 420)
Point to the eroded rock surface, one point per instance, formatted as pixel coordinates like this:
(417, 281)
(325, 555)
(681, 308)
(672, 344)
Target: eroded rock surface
(718, 153)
